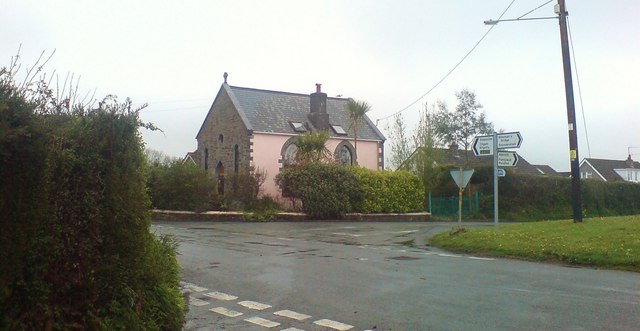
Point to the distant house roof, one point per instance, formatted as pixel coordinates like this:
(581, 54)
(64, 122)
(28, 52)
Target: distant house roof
(279, 112)
(545, 170)
(606, 168)
(191, 157)
(462, 158)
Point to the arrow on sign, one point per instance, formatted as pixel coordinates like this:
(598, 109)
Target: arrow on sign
(482, 145)
(507, 159)
(509, 140)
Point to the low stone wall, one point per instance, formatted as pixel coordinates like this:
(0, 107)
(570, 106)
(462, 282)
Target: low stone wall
(231, 216)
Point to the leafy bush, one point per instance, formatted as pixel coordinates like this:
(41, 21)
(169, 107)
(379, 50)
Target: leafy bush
(76, 252)
(389, 192)
(181, 186)
(245, 187)
(327, 190)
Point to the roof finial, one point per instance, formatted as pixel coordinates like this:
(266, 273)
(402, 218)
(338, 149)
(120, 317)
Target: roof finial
(318, 87)
(225, 77)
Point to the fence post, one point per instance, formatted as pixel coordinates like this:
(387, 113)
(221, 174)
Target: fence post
(430, 203)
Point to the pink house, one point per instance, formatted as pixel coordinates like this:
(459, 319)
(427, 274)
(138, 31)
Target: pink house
(248, 128)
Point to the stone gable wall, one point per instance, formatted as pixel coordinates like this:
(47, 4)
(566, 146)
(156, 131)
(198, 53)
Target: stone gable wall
(224, 120)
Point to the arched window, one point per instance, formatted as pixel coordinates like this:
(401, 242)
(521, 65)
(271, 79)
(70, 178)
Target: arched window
(221, 138)
(236, 158)
(288, 152)
(345, 153)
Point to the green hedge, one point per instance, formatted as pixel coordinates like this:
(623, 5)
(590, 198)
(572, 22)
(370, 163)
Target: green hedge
(182, 186)
(331, 190)
(327, 190)
(527, 198)
(76, 251)
(389, 192)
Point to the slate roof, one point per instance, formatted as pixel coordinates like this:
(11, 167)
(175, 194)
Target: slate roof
(606, 167)
(271, 111)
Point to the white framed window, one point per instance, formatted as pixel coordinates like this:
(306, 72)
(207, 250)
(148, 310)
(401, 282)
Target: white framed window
(298, 126)
(339, 130)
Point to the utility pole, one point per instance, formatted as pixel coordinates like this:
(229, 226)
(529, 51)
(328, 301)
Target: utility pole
(576, 191)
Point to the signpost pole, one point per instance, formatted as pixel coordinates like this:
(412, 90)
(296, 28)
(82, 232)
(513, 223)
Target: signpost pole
(460, 200)
(495, 179)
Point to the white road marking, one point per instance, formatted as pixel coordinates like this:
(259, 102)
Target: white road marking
(254, 305)
(226, 312)
(408, 231)
(220, 296)
(197, 302)
(292, 329)
(347, 234)
(363, 259)
(262, 322)
(192, 287)
(481, 258)
(286, 239)
(448, 255)
(333, 324)
(292, 315)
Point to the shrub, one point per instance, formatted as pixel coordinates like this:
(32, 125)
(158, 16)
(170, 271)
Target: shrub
(245, 187)
(182, 186)
(388, 192)
(527, 197)
(75, 242)
(326, 190)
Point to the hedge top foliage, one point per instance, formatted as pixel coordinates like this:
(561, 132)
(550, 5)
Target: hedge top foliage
(75, 241)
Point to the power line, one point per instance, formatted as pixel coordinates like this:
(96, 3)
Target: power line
(534, 9)
(575, 64)
(450, 71)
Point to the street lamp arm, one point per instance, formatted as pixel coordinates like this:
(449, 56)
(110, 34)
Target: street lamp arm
(494, 22)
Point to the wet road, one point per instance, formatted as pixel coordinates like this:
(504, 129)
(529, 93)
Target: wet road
(353, 276)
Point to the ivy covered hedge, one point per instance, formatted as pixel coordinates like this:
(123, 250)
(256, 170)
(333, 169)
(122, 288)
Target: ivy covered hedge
(331, 190)
(75, 246)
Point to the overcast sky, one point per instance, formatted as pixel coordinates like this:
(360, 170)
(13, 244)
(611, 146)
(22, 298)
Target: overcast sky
(172, 55)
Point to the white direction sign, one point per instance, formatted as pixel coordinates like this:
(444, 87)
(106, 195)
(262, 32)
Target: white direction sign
(461, 177)
(483, 145)
(509, 140)
(507, 159)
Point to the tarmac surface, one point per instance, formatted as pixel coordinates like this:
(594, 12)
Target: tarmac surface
(357, 276)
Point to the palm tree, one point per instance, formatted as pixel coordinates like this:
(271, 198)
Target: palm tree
(311, 147)
(357, 110)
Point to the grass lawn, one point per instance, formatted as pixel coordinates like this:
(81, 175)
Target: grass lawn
(610, 242)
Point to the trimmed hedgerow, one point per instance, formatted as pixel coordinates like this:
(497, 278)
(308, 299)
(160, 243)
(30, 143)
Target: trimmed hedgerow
(75, 246)
(389, 191)
(332, 190)
(327, 191)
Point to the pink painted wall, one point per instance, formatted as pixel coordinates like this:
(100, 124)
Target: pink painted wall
(266, 154)
(267, 149)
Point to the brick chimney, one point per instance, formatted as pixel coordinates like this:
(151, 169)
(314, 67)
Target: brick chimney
(318, 109)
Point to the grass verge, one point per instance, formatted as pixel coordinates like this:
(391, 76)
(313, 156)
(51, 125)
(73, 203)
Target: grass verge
(610, 242)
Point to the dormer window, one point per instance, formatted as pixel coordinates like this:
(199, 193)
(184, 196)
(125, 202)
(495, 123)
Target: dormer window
(298, 126)
(339, 130)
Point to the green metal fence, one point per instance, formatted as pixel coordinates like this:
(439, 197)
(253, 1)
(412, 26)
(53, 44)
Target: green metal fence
(448, 206)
